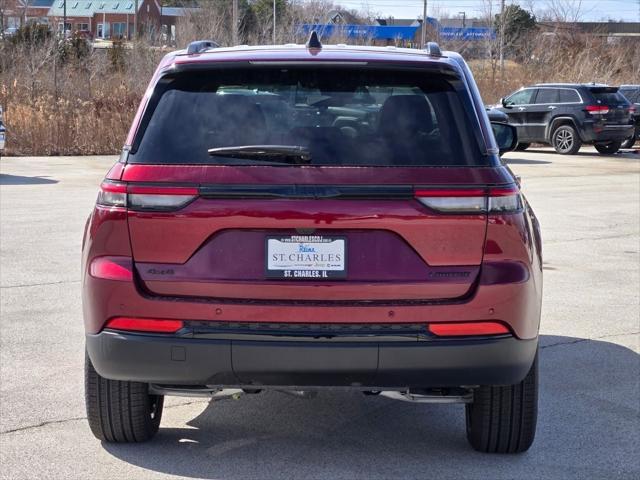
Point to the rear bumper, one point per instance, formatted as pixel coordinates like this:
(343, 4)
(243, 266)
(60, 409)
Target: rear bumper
(169, 360)
(608, 133)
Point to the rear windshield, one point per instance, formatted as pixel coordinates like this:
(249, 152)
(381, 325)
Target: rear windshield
(340, 117)
(608, 96)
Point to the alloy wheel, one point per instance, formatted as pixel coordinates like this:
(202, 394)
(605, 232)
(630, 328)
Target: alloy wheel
(564, 139)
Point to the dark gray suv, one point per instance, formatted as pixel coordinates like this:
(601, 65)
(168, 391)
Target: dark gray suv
(566, 115)
(632, 93)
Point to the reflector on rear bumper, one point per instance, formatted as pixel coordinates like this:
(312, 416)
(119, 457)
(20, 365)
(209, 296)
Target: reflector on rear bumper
(468, 329)
(150, 325)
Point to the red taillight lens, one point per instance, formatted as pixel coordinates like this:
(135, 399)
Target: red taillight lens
(152, 325)
(597, 109)
(142, 197)
(112, 194)
(112, 268)
(467, 329)
(160, 198)
(492, 200)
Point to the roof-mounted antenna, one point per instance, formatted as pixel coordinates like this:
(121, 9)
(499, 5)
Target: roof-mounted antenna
(314, 40)
(201, 46)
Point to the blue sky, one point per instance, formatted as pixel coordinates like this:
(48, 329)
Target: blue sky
(590, 10)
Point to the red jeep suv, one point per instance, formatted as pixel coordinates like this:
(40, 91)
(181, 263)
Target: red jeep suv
(304, 217)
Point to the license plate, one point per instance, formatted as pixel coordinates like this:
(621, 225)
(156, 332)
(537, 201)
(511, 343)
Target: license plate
(306, 257)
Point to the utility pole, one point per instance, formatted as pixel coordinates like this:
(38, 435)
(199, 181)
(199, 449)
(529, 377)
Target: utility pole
(464, 19)
(424, 23)
(64, 20)
(235, 22)
(135, 23)
(502, 38)
(274, 22)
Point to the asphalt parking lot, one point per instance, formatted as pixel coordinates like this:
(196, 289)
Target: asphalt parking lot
(589, 423)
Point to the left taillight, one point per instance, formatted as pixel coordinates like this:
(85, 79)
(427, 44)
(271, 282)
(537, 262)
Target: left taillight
(597, 109)
(112, 194)
(160, 198)
(479, 200)
(142, 197)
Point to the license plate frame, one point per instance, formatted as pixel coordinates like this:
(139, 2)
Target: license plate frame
(324, 268)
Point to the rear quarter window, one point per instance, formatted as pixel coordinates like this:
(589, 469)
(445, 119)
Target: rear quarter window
(568, 96)
(343, 117)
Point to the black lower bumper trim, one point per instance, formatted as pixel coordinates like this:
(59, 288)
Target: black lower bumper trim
(187, 361)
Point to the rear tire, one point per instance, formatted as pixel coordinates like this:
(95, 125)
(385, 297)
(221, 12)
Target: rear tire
(565, 140)
(629, 142)
(502, 419)
(120, 412)
(522, 146)
(607, 148)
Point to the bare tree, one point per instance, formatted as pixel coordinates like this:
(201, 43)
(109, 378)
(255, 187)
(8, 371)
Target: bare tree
(567, 11)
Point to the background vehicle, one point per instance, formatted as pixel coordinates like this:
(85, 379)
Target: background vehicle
(632, 93)
(280, 218)
(3, 133)
(9, 32)
(568, 115)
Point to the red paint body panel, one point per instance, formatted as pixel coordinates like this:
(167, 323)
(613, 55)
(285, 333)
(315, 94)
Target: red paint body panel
(510, 303)
(438, 239)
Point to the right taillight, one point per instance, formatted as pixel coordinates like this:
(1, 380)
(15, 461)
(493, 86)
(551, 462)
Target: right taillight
(491, 200)
(143, 197)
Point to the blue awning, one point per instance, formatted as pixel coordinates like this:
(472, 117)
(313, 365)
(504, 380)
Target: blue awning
(393, 32)
(467, 33)
(375, 32)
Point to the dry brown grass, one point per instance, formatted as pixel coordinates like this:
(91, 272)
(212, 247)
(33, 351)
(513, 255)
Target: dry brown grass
(73, 107)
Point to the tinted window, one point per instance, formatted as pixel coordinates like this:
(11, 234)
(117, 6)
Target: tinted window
(547, 95)
(339, 116)
(631, 94)
(522, 97)
(608, 96)
(568, 96)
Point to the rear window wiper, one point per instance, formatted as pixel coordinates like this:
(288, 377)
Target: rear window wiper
(293, 154)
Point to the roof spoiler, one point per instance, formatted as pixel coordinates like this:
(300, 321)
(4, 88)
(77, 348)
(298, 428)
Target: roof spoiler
(200, 46)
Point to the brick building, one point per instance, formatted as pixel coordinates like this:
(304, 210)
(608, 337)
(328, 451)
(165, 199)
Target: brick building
(15, 13)
(107, 19)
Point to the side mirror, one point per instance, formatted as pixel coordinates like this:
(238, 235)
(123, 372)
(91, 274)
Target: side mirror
(506, 136)
(504, 103)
